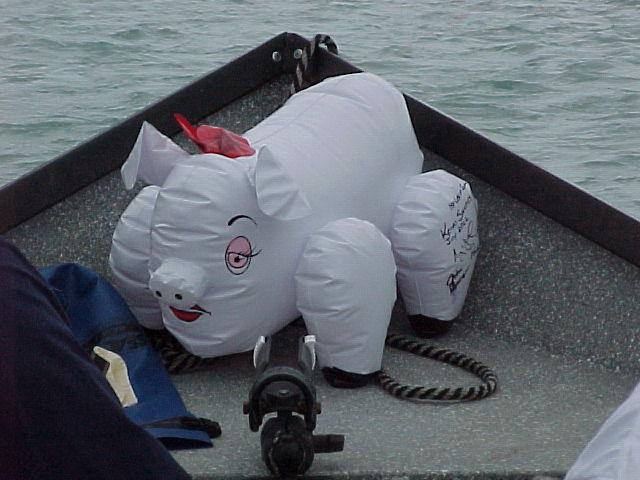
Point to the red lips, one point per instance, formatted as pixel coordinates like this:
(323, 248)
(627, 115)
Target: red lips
(190, 315)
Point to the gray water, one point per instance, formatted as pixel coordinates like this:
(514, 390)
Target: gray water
(556, 82)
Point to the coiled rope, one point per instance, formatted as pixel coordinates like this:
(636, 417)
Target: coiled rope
(308, 55)
(420, 393)
(177, 360)
(174, 357)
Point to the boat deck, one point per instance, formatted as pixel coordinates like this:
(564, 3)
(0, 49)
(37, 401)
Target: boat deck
(549, 310)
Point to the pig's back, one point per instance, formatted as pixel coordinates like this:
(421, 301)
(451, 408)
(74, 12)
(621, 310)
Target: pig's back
(348, 144)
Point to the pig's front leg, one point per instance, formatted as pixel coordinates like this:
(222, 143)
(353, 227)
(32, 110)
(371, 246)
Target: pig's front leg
(345, 290)
(129, 258)
(435, 242)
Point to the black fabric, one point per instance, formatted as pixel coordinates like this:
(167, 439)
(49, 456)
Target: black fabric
(211, 428)
(429, 327)
(341, 379)
(59, 418)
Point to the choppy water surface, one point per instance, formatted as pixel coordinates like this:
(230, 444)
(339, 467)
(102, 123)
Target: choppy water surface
(555, 81)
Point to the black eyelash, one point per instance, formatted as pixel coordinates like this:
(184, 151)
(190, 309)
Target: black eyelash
(246, 255)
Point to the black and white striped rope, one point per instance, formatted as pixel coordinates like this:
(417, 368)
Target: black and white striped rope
(417, 392)
(174, 357)
(177, 360)
(307, 57)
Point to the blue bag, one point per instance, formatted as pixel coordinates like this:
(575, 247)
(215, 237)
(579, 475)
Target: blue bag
(100, 317)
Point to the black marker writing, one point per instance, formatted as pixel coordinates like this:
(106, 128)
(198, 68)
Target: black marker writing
(455, 278)
(461, 188)
(460, 233)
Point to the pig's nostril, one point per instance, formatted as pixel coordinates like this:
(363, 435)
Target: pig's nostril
(158, 293)
(178, 296)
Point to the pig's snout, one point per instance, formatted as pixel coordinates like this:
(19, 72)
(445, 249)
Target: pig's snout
(178, 283)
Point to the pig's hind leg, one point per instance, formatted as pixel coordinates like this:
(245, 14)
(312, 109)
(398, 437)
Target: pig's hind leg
(435, 244)
(129, 258)
(346, 289)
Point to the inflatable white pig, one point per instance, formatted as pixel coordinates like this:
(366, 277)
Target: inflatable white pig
(314, 220)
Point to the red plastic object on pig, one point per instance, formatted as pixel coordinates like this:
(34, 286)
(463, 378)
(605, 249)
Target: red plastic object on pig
(215, 139)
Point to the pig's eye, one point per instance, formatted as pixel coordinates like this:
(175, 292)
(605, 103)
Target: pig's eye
(238, 255)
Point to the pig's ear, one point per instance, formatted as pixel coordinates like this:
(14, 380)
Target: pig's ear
(278, 195)
(152, 158)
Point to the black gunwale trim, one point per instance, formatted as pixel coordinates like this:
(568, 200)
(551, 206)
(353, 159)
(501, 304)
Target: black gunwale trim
(66, 174)
(558, 199)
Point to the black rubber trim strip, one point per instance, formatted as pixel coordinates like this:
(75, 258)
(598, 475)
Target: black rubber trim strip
(81, 166)
(558, 199)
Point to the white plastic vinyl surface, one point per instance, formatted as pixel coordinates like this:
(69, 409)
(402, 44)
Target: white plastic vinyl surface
(152, 158)
(346, 288)
(435, 241)
(129, 258)
(614, 453)
(225, 236)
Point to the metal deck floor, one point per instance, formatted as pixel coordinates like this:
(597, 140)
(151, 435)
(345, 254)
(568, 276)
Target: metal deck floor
(550, 311)
(546, 409)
